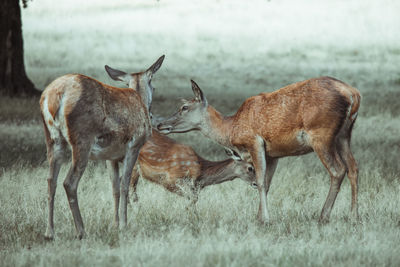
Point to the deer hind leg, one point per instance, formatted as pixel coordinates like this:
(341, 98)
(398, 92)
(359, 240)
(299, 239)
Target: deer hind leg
(345, 153)
(55, 154)
(134, 182)
(337, 170)
(115, 181)
(56, 148)
(80, 156)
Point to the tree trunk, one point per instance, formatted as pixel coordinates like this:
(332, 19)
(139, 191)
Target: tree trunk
(13, 78)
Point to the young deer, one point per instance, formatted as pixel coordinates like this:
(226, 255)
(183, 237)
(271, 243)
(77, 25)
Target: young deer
(313, 115)
(179, 169)
(96, 121)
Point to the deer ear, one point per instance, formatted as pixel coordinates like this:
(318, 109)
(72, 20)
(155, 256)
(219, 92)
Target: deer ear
(117, 75)
(233, 154)
(155, 67)
(198, 93)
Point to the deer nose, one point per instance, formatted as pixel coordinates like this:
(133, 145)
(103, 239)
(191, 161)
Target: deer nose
(163, 128)
(160, 126)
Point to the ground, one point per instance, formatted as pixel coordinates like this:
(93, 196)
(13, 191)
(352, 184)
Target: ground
(232, 49)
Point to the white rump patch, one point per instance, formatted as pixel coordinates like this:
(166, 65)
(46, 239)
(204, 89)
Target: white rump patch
(54, 133)
(58, 128)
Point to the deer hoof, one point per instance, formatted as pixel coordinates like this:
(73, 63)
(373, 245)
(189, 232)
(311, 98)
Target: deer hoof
(49, 235)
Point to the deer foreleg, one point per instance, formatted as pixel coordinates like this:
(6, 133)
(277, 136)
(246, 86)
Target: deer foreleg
(271, 164)
(259, 160)
(115, 181)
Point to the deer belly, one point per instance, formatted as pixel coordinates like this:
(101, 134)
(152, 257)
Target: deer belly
(170, 178)
(157, 176)
(284, 145)
(107, 151)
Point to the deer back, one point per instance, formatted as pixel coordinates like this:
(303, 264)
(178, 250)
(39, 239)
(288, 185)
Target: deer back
(283, 117)
(164, 161)
(76, 103)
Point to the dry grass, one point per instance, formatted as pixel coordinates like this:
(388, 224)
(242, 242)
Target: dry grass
(233, 50)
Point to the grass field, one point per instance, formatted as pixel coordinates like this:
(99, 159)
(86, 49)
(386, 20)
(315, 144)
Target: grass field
(233, 49)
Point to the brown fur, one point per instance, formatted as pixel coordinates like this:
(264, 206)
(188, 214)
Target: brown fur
(280, 115)
(210, 168)
(313, 115)
(164, 161)
(97, 121)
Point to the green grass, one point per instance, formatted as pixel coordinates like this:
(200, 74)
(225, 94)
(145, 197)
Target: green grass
(233, 50)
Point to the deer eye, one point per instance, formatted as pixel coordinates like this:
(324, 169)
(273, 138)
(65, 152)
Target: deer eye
(250, 169)
(184, 108)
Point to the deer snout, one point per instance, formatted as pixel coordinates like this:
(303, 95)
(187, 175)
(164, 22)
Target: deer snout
(164, 129)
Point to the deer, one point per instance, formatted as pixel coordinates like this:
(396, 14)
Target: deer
(315, 115)
(179, 169)
(95, 121)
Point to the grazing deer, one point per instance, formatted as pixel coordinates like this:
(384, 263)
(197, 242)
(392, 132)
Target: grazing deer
(179, 169)
(313, 115)
(96, 121)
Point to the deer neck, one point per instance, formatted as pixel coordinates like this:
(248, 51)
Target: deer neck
(215, 172)
(147, 97)
(217, 127)
(143, 89)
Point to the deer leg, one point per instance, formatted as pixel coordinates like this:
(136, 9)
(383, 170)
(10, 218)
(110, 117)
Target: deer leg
(134, 182)
(129, 162)
(115, 181)
(337, 170)
(193, 203)
(258, 156)
(54, 152)
(271, 167)
(80, 158)
(271, 164)
(352, 172)
(194, 197)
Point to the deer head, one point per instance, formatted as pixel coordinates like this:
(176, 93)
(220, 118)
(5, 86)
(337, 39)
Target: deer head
(242, 168)
(140, 81)
(192, 115)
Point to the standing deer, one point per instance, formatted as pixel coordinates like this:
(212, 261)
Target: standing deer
(177, 167)
(313, 115)
(96, 121)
